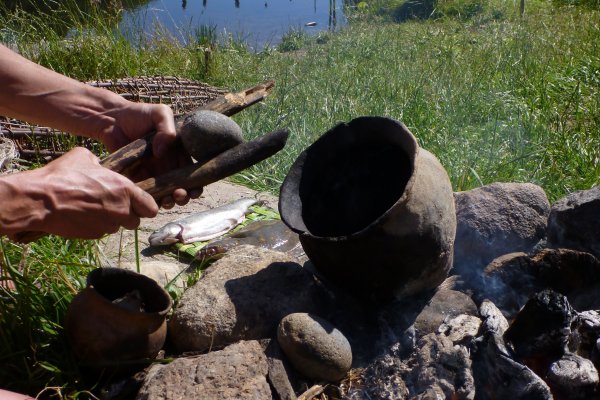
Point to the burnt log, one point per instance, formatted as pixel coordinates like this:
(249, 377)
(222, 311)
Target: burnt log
(497, 374)
(540, 332)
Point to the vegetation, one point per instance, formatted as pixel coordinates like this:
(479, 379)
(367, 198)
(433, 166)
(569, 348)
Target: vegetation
(496, 95)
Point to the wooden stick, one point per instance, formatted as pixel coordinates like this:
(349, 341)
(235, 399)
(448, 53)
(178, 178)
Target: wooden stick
(225, 164)
(312, 392)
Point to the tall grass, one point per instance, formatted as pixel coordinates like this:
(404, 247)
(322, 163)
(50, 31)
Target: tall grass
(495, 100)
(495, 96)
(46, 275)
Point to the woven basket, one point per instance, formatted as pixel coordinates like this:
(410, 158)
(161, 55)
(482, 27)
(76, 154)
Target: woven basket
(42, 144)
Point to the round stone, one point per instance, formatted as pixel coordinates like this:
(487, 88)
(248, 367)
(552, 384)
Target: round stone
(206, 134)
(315, 347)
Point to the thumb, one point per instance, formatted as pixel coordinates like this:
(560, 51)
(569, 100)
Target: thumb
(142, 204)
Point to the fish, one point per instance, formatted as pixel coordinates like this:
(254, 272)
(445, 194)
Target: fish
(204, 225)
(273, 235)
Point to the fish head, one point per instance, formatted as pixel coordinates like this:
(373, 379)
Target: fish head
(168, 234)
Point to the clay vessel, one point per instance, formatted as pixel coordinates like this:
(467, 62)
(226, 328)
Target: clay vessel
(104, 328)
(375, 212)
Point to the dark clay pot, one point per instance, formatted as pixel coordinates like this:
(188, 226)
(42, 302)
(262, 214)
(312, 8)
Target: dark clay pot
(375, 212)
(102, 333)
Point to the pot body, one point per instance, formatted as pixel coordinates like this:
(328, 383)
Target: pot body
(103, 333)
(375, 212)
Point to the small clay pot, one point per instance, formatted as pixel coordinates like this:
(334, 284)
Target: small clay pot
(118, 317)
(375, 212)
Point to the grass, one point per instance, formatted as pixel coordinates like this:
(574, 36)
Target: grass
(496, 96)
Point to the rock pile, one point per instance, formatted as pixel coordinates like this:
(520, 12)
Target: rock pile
(518, 318)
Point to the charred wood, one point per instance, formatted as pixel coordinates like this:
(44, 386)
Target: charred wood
(540, 332)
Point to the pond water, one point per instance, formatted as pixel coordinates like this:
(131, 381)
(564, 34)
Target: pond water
(258, 23)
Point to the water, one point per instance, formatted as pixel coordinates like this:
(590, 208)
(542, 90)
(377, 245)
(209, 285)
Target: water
(258, 23)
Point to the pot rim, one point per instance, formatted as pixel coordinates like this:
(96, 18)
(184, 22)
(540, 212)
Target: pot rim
(409, 145)
(98, 273)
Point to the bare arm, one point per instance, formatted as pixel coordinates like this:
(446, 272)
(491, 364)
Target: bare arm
(38, 95)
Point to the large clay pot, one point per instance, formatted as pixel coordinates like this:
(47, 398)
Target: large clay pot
(104, 330)
(375, 212)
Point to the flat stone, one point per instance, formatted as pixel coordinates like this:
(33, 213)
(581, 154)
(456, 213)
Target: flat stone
(316, 348)
(574, 222)
(445, 304)
(243, 296)
(497, 219)
(236, 372)
(510, 280)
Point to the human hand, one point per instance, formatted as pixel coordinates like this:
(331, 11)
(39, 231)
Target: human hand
(75, 197)
(131, 121)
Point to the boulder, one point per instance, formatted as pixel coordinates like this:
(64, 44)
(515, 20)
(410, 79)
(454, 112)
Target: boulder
(497, 219)
(236, 372)
(243, 296)
(574, 222)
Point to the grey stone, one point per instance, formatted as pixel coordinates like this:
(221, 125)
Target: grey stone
(497, 219)
(585, 331)
(242, 296)
(443, 305)
(236, 372)
(574, 222)
(493, 319)
(315, 347)
(461, 329)
(205, 134)
(573, 377)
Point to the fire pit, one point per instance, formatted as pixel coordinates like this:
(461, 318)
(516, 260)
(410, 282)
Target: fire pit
(375, 212)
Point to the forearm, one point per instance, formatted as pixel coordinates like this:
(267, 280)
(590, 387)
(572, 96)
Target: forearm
(38, 95)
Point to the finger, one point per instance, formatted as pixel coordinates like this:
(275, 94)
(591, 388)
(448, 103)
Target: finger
(142, 204)
(132, 222)
(167, 203)
(180, 196)
(195, 193)
(162, 118)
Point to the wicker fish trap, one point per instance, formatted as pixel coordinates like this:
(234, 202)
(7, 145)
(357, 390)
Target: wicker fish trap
(42, 144)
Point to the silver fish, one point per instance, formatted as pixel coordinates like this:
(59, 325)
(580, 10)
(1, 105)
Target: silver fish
(204, 225)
